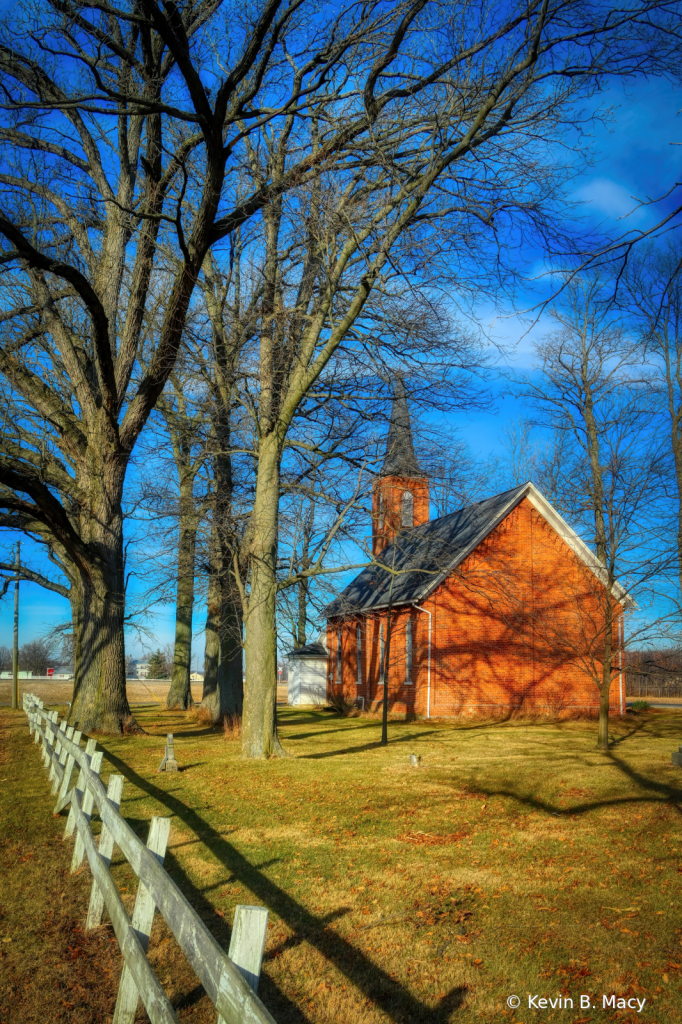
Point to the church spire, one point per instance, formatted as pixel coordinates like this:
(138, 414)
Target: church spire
(400, 493)
(400, 458)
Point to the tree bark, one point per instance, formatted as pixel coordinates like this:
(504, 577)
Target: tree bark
(180, 692)
(100, 701)
(259, 730)
(223, 692)
(300, 635)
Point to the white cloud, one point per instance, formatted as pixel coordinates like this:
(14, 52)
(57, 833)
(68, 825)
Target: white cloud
(606, 198)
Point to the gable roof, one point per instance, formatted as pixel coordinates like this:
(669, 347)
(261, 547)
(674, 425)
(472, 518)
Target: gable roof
(421, 558)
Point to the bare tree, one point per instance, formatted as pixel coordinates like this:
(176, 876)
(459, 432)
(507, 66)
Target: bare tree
(183, 422)
(653, 293)
(601, 467)
(114, 118)
(421, 193)
(36, 655)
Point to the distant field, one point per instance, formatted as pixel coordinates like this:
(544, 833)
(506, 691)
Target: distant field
(139, 692)
(517, 860)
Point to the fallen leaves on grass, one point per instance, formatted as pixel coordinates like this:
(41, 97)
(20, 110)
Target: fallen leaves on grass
(432, 838)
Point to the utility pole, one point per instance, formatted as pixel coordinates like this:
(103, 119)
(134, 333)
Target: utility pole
(15, 650)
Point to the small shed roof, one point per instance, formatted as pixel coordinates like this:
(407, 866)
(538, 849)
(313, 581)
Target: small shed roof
(421, 558)
(314, 650)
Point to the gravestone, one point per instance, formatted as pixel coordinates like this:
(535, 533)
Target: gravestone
(169, 764)
(677, 757)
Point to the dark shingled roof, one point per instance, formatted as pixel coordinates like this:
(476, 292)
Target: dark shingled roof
(400, 457)
(423, 556)
(314, 650)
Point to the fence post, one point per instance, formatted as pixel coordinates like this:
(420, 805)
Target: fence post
(68, 772)
(105, 850)
(63, 755)
(142, 919)
(43, 752)
(90, 748)
(86, 808)
(50, 734)
(57, 747)
(248, 941)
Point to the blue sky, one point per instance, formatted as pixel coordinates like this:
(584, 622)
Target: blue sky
(636, 156)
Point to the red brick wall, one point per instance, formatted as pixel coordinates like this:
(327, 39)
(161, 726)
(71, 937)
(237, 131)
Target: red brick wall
(387, 499)
(518, 626)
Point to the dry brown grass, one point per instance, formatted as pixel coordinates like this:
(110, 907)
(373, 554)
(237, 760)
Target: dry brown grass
(232, 727)
(50, 969)
(517, 859)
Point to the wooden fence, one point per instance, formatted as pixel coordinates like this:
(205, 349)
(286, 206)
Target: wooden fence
(230, 979)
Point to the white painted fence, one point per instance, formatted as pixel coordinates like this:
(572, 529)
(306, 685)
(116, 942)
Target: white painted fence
(230, 979)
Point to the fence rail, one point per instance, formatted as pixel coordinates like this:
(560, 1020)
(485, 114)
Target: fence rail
(230, 979)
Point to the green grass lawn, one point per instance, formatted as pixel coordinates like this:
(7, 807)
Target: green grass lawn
(517, 859)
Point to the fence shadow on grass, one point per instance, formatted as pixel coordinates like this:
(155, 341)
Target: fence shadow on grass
(388, 994)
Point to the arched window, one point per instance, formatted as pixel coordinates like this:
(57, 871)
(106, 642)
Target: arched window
(407, 517)
(382, 655)
(339, 674)
(381, 513)
(408, 651)
(359, 653)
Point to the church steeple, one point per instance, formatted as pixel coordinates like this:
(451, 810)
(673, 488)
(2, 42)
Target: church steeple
(400, 457)
(401, 492)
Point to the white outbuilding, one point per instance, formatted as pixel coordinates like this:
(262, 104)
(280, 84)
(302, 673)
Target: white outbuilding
(308, 674)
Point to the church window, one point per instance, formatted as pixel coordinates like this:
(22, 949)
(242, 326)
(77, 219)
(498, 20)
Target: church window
(407, 517)
(408, 651)
(381, 512)
(339, 677)
(382, 655)
(359, 653)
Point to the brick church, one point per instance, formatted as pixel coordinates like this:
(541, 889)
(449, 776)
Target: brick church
(493, 609)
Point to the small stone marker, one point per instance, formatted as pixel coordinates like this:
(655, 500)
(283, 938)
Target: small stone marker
(169, 764)
(677, 757)
(415, 761)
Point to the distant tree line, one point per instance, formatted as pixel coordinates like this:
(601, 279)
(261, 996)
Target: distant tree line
(653, 673)
(36, 656)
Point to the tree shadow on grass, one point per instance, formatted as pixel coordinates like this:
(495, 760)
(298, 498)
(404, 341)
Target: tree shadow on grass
(659, 791)
(387, 993)
(375, 744)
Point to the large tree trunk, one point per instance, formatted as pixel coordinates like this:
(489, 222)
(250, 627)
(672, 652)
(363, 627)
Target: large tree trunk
(212, 633)
(230, 669)
(76, 602)
(259, 728)
(100, 702)
(180, 692)
(223, 692)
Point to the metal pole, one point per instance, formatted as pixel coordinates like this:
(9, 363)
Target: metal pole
(15, 651)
